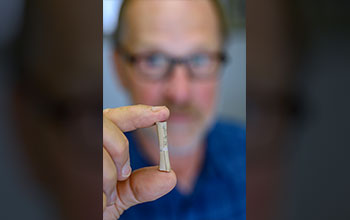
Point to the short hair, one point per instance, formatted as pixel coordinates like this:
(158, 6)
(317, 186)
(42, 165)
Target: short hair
(224, 29)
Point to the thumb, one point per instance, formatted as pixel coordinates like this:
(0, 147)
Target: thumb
(144, 185)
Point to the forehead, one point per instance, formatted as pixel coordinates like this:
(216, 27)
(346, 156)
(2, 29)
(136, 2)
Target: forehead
(177, 26)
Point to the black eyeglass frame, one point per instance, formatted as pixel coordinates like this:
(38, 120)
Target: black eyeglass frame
(133, 58)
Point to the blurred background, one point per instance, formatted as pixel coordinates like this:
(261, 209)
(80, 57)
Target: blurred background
(297, 109)
(50, 117)
(232, 100)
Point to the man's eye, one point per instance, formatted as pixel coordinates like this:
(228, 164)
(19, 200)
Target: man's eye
(200, 60)
(156, 60)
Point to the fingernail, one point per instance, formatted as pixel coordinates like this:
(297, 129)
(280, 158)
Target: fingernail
(126, 170)
(157, 108)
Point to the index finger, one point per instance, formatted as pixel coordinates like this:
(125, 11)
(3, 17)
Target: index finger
(129, 118)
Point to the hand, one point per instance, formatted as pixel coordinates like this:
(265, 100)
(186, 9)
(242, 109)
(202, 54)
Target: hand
(123, 188)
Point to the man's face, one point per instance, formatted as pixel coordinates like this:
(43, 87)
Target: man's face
(177, 29)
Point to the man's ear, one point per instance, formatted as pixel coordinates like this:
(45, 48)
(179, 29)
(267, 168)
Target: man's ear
(120, 67)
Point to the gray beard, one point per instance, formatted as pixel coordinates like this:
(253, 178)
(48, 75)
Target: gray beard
(175, 151)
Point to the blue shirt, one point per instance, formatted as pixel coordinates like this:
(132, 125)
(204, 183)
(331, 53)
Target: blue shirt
(220, 190)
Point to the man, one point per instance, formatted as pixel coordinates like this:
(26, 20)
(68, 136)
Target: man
(168, 53)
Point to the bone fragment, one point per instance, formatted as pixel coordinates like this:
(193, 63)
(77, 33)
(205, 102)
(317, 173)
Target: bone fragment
(164, 163)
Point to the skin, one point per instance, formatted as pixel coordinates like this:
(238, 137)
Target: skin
(177, 28)
(121, 187)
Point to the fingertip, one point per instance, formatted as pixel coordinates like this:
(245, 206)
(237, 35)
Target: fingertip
(172, 179)
(163, 113)
(169, 178)
(125, 171)
(166, 112)
(153, 183)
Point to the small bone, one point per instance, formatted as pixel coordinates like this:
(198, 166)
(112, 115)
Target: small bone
(164, 163)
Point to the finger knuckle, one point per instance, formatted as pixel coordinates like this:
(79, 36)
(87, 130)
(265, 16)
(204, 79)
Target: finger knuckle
(110, 177)
(122, 148)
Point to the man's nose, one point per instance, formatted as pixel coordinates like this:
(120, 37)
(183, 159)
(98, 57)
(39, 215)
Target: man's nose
(178, 84)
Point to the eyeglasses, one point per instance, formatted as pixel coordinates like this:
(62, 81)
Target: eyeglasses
(157, 66)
